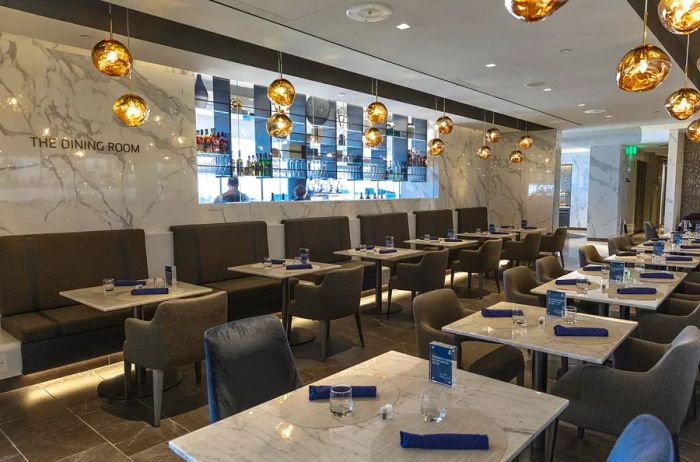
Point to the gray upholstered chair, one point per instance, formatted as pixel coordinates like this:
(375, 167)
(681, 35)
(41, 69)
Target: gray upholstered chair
(249, 361)
(517, 284)
(484, 260)
(554, 243)
(663, 327)
(617, 244)
(525, 251)
(548, 268)
(588, 255)
(650, 230)
(436, 309)
(648, 378)
(337, 296)
(426, 275)
(173, 337)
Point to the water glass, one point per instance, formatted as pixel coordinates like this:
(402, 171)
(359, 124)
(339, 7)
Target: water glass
(450, 234)
(303, 255)
(433, 405)
(363, 247)
(605, 272)
(582, 284)
(519, 316)
(569, 314)
(267, 262)
(426, 237)
(389, 241)
(158, 283)
(341, 403)
(477, 230)
(108, 284)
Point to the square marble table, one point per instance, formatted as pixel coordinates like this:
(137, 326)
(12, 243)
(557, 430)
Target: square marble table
(441, 242)
(690, 265)
(290, 428)
(120, 299)
(280, 272)
(674, 249)
(508, 234)
(541, 339)
(602, 292)
(377, 257)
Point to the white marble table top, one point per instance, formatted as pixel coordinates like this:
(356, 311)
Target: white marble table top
(486, 235)
(375, 255)
(541, 338)
(675, 249)
(280, 271)
(120, 298)
(520, 230)
(442, 242)
(602, 292)
(662, 263)
(262, 434)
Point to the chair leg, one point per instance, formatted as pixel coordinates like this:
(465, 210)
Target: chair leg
(388, 302)
(498, 284)
(328, 331)
(676, 450)
(580, 432)
(452, 278)
(198, 372)
(413, 295)
(127, 380)
(520, 379)
(358, 321)
(325, 327)
(561, 255)
(157, 395)
(469, 284)
(551, 440)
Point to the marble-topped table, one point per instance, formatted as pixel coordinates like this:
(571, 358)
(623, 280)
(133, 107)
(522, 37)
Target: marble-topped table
(514, 416)
(441, 242)
(631, 260)
(541, 339)
(509, 234)
(377, 257)
(674, 249)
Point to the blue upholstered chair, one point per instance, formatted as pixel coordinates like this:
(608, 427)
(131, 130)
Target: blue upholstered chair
(645, 439)
(248, 361)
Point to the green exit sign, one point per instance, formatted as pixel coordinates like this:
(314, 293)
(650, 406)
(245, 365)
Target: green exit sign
(631, 150)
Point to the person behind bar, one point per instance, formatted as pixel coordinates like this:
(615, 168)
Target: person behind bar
(300, 193)
(233, 194)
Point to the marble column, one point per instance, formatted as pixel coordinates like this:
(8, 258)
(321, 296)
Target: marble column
(605, 192)
(580, 174)
(674, 178)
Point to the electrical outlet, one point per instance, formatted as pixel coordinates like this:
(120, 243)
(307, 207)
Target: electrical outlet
(3, 362)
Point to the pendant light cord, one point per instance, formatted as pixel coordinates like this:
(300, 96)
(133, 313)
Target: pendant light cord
(687, 52)
(279, 63)
(111, 35)
(646, 18)
(128, 46)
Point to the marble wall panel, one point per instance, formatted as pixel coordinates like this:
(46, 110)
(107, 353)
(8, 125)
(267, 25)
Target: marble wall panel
(604, 216)
(580, 173)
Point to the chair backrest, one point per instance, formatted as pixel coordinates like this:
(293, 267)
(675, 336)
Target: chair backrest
(548, 268)
(375, 227)
(627, 241)
(645, 439)
(321, 235)
(615, 245)
(433, 222)
(434, 266)
(337, 296)
(470, 218)
(588, 255)
(178, 327)
(249, 361)
(490, 253)
(560, 237)
(650, 230)
(432, 311)
(651, 331)
(517, 283)
(531, 245)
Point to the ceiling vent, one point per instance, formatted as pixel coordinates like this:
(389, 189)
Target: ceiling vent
(369, 12)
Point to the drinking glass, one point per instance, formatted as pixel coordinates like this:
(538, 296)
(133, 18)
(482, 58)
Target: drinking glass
(158, 283)
(303, 255)
(569, 314)
(639, 262)
(108, 284)
(363, 247)
(267, 262)
(426, 237)
(605, 272)
(477, 230)
(582, 283)
(519, 316)
(433, 405)
(389, 241)
(450, 234)
(341, 403)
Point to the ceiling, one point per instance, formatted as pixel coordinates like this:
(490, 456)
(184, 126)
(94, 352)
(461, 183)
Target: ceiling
(447, 47)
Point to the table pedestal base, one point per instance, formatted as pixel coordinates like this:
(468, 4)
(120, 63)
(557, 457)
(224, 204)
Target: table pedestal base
(113, 387)
(385, 308)
(474, 292)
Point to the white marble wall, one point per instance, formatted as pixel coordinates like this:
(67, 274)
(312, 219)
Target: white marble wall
(580, 173)
(604, 191)
(58, 91)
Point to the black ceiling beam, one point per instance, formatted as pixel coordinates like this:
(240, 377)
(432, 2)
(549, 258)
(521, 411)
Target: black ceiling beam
(143, 26)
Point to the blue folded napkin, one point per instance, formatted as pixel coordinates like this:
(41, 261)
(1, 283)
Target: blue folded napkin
(659, 239)
(648, 244)
(626, 254)
(150, 291)
(636, 291)
(499, 232)
(686, 246)
(387, 250)
(299, 266)
(444, 441)
(508, 226)
(450, 239)
(529, 227)
(678, 258)
(370, 247)
(656, 276)
(593, 267)
(128, 282)
(496, 313)
(565, 282)
(317, 392)
(276, 261)
(563, 331)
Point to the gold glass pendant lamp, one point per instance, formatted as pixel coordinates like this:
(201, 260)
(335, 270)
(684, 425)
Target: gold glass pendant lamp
(436, 146)
(516, 157)
(484, 152)
(682, 104)
(372, 137)
(444, 123)
(110, 56)
(693, 131)
(493, 135)
(377, 113)
(533, 10)
(680, 16)
(645, 67)
(525, 141)
(130, 108)
(279, 125)
(281, 92)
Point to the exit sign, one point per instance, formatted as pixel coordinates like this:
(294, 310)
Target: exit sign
(631, 150)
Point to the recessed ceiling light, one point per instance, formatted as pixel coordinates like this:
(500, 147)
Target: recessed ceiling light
(582, 105)
(608, 117)
(403, 26)
(565, 50)
(490, 65)
(546, 89)
(536, 83)
(595, 111)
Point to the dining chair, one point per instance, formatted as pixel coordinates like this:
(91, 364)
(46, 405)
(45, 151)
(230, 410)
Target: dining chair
(172, 338)
(645, 439)
(617, 244)
(337, 296)
(588, 255)
(525, 251)
(650, 231)
(438, 308)
(426, 275)
(554, 243)
(248, 361)
(548, 269)
(517, 284)
(484, 260)
(647, 378)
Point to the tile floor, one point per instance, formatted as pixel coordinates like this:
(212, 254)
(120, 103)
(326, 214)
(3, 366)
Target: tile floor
(65, 419)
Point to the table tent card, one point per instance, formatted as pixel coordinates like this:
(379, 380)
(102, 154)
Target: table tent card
(442, 363)
(556, 301)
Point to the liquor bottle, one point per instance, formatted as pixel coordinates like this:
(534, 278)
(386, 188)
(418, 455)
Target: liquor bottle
(198, 140)
(223, 143)
(246, 169)
(239, 164)
(214, 142)
(207, 140)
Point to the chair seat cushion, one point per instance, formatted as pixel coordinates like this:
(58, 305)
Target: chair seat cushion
(247, 287)
(29, 327)
(80, 318)
(501, 362)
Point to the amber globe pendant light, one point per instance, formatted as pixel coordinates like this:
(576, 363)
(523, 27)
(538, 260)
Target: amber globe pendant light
(484, 152)
(516, 157)
(110, 56)
(693, 131)
(533, 10)
(281, 92)
(682, 104)
(372, 137)
(645, 67)
(436, 146)
(493, 135)
(377, 113)
(279, 125)
(444, 123)
(680, 16)
(525, 141)
(130, 108)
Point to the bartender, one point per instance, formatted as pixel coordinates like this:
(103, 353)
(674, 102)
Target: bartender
(232, 194)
